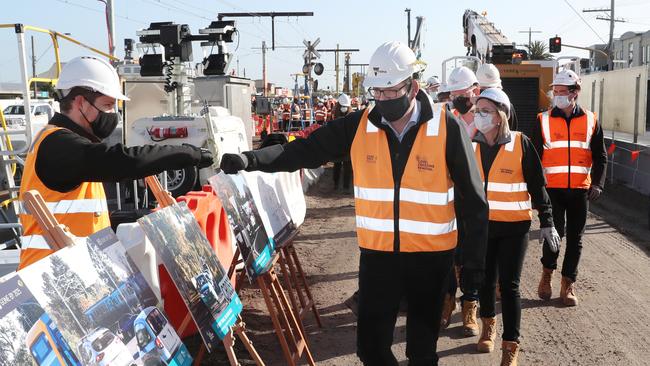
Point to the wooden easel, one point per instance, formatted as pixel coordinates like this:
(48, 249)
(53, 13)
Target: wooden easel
(296, 283)
(164, 200)
(287, 326)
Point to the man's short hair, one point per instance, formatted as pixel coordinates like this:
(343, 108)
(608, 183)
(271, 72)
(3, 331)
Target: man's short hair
(66, 102)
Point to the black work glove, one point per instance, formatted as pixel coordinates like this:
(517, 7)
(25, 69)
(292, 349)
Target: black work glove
(205, 159)
(471, 280)
(232, 163)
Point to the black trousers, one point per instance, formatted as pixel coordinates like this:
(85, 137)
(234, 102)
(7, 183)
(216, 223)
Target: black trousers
(384, 277)
(504, 260)
(347, 173)
(569, 208)
(452, 284)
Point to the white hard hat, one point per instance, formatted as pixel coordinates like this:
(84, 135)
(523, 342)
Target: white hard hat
(496, 95)
(566, 77)
(344, 100)
(461, 78)
(443, 88)
(92, 73)
(392, 63)
(285, 100)
(488, 76)
(433, 81)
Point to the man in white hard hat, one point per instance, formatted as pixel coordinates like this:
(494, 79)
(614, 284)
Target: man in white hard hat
(463, 87)
(342, 108)
(409, 157)
(68, 161)
(570, 143)
(489, 77)
(433, 84)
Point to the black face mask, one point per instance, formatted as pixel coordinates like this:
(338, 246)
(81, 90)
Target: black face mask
(104, 124)
(462, 104)
(393, 109)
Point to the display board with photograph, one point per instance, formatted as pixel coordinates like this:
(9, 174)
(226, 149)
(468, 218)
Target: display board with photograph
(103, 306)
(255, 245)
(273, 205)
(195, 270)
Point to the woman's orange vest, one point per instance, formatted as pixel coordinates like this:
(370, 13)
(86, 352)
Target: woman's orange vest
(83, 210)
(420, 209)
(507, 191)
(567, 152)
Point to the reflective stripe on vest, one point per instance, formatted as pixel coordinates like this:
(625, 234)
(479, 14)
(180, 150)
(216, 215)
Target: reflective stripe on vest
(426, 220)
(34, 242)
(83, 210)
(567, 154)
(507, 191)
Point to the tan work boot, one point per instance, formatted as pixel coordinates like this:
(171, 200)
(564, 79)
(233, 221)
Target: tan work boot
(488, 335)
(510, 351)
(447, 309)
(470, 325)
(568, 292)
(545, 290)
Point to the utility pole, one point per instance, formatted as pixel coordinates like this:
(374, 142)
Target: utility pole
(264, 67)
(612, 19)
(237, 66)
(408, 26)
(34, 67)
(530, 32)
(336, 60)
(346, 82)
(271, 15)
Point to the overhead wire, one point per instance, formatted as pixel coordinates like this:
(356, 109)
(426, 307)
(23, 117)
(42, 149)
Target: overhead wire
(584, 21)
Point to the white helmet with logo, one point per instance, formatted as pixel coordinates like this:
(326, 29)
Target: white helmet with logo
(433, 81)
(566, 77)
(92, 73)
(461, 78)
(392, 63)
(344, 100)
(488, 76)
(497, 96)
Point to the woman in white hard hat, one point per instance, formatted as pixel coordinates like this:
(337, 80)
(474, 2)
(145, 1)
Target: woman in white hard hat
(409, 157)
(68, 160)
(342, 108)
(513, 177)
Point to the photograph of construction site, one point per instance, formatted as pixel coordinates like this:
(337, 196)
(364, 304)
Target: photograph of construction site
(254, 244)
(195, 270)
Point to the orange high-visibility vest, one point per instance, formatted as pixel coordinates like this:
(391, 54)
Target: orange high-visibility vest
(83, 210)
(426, 220)
(507, 191)
(320, 114)
(567, 152)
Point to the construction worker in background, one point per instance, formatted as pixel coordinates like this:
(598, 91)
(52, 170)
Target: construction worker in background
(409, 157)
(342, 109)
(463, 87)
(68, 161)
(489, 77)
(296, 115)
(285, 110)
(443, 94)
(354, 103)
(513, 178)
(433, 84)
(320, 112)
(569, 140)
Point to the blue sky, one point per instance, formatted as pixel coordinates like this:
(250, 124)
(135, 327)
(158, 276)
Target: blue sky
(352, 24)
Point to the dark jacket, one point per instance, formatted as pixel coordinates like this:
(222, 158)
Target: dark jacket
(535, 180)
(597, 146)
(333, 141)
(68, 157)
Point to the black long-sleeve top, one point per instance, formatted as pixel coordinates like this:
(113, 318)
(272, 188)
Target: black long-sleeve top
(535, 181)
(66, 158)
(333, 142)
(597, 145)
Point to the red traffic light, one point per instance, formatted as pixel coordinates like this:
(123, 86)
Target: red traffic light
(555, 44)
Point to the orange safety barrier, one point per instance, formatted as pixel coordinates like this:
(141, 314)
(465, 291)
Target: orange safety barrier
(212, 219)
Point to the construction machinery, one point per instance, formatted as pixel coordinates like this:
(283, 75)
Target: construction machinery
(525, 81)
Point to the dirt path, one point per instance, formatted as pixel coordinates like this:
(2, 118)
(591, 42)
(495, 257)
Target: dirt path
(609, 327)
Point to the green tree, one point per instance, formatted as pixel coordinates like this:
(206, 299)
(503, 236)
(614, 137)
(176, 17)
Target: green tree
(537, 51)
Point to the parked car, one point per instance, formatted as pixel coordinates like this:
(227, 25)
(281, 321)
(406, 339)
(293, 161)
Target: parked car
(156, 337)
(103, 348)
